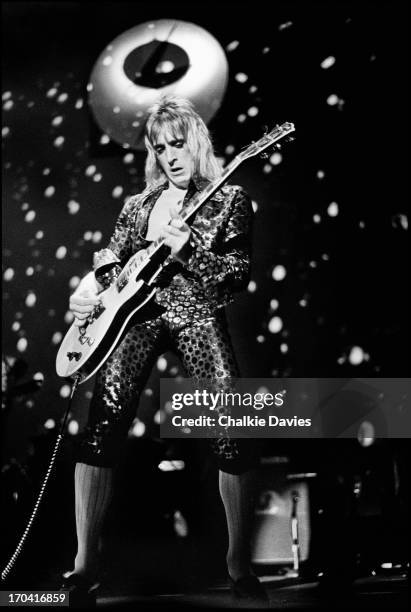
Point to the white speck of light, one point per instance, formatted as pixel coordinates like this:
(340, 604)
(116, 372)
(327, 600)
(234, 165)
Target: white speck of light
(88, 235)
(303, 303)
(65, 391)
(276, 158)
(25, 206)
(313, 264)
(284, 347)
(31, 299)
(57, 121)
(274, 304)
(79, 103)
(59, 141)
(50, 424)
(39, 235)
(46, 171)
(89, 87)
(267, 168)
(316, 218)
(128, 158)
(241, 118)
(107, 60)
(159, 417)
(333, 99)
(16, 326)
(400, 220)
(61, 252)
(57, 336)
(73, 207)
(38, 377)
(252, 89)
(116, 110)
(138, 429)
(117, 191)
(74, 281)
(90, 170)
(8, 274)
(97, 236)
(30, 271)
(284, 26)
(68, 317)
(229, 149)
(254, 205)
(232, 45)
(265, 50)
(73, 427)
(320, 174)
(30, 216)
(62, 98)
(22, 345)
(5, 131)
(328, 62)
(252, 111)
(332, 209)
(49, 191)
(279, 272)
(162, 364)
(325, 257)
(356, 355)
(252, 286)
(260, 339)
(6, 95)
(275, 325)
(104, 139)
(361, 224)
(135, 123)
(241, 77)
(51, 92)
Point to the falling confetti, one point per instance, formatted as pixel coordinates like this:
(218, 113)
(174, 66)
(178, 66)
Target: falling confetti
(59, 141)
(279, 273)
(57, 121)
(50, 191)
(73, 207)
(8, 274)
(22, 345)
(332, 209)
(65, 391)
(31, 299)
(333, 99)
(50, 424)
(284, 348)
(232, 45)
(275, 325)
(241, 118)
(252, 286)
(328, 62)
(162, 364)
(73, 427)
(252, 111)
(90, 170)
(316, 218)
(356, 355)
(274, 304)
(61, 252)
(400, 221)
(117, 191)
(241, 77)
(320, 174)
(276, 158)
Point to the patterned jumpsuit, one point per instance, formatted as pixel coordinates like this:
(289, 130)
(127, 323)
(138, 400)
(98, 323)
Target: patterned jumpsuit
(192, 324)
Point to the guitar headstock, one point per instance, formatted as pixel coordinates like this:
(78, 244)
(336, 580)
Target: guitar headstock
(276, 134)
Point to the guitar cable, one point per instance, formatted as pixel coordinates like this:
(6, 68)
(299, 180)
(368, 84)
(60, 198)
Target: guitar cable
(7, 569)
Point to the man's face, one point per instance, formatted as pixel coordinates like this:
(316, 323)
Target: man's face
(175, 159)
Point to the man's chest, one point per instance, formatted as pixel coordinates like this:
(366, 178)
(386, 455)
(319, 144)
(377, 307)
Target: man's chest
(161, 213)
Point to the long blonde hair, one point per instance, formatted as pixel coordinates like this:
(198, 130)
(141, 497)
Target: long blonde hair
(178, 116)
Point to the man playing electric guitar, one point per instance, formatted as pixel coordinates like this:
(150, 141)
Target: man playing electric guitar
(208, 261)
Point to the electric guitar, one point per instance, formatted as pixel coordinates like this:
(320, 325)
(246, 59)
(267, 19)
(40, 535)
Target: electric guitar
(129, 299)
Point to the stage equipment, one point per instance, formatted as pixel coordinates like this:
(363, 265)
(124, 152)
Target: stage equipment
(164, 56)
(130, 298)
(282, 526)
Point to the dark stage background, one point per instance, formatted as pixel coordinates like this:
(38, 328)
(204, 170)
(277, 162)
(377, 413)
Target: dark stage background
(328, 296)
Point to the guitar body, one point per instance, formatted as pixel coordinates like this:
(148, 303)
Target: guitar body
(84, 349)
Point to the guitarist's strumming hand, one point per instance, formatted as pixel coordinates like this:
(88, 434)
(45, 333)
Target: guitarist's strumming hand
(176, 236)
(84, 299)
